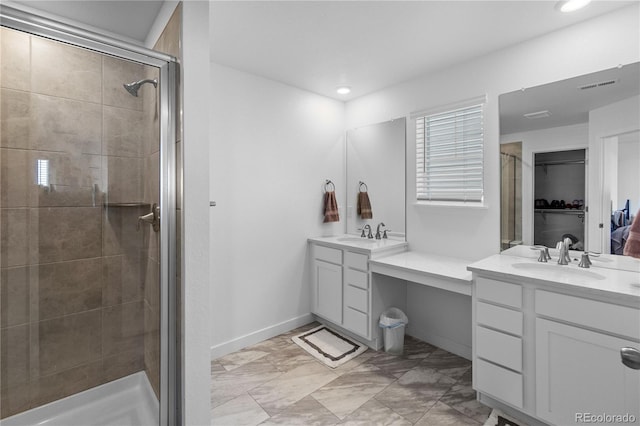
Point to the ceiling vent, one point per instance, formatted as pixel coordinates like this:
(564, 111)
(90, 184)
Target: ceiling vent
(538, 114)
(599, 84)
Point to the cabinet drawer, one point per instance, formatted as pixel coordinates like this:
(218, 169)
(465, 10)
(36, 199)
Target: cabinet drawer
(499, 348)
(499, 318)
(356, 298)
(604, 316)
(499, 292)
(356, 322)
(498, 382)
(357, 261)
(327, 254)
(357, 278)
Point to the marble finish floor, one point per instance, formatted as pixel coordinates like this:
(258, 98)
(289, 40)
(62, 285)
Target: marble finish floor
(275, 382)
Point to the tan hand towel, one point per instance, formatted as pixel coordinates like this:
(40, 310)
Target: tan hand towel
(632, 246)
(330, 207)
(364, 206)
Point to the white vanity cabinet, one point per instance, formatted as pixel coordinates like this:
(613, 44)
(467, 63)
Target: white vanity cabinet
(341, 283)
(550, 347)
(340, 286)
(498, 340)
(327, 279)
(578, 365)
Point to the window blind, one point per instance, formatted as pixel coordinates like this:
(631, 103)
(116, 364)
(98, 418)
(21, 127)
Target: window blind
(449, 150)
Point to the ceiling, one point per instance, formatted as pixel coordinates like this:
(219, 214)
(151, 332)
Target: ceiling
(130, 19)
(319, 45)
(370, 45)
(566, 102)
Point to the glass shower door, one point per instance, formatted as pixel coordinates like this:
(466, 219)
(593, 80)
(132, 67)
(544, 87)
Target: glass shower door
(81, 287)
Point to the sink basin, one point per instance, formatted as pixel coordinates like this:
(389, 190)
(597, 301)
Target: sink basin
(357, 240)
(559, 271)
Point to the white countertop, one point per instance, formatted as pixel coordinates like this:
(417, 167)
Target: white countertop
(363, 245)
(609, 261)
(595, 280)
(447, 273)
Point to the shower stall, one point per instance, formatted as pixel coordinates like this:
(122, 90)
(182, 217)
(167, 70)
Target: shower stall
(87, 228)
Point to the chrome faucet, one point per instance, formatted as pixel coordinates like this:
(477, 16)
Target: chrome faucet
(378, 236)
(563, 255)
(366, 227)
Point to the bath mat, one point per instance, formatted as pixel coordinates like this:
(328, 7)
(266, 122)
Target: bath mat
(498, 418)
(330, 347)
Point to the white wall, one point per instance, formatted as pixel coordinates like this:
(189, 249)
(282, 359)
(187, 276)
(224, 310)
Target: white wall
(272, 147)
(197, 323)
(546, 140)
(472, 233)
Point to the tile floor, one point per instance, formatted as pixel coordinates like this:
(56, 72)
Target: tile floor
(275, 382)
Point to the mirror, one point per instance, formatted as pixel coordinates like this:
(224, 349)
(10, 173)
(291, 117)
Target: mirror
(570, 154)
(376, 165)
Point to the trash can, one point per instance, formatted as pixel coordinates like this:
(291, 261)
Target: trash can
(392, 322)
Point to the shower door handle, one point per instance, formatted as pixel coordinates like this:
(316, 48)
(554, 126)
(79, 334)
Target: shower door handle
(152, 218)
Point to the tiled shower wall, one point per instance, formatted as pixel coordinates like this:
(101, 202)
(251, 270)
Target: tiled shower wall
(75, 279)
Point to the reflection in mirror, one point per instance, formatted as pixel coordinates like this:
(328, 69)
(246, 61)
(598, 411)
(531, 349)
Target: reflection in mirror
(376, 158)
(596, 115)
(511, 194)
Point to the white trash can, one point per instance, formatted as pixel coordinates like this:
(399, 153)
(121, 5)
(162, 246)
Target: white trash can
(392, 322)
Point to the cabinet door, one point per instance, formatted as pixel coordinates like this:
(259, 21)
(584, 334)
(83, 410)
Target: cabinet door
(328, 287)
(579, 372)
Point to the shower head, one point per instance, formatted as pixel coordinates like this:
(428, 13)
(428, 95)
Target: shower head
(135, 86)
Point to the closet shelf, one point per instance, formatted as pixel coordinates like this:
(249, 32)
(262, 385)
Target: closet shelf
(560, 211)
(559, 163)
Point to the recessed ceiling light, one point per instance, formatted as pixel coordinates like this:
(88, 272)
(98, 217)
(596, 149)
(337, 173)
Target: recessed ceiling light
(571, 5)
(538, 114)
(343, 90)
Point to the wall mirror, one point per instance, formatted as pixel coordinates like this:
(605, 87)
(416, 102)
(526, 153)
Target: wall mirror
(570, 160)
(376, 164)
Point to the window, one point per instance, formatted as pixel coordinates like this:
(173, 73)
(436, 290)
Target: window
(449, 150)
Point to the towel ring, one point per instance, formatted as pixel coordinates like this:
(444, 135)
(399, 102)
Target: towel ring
(360, 185)
(326, 186)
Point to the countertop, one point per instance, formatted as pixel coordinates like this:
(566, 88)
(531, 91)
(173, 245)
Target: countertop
(363, 245)
(598, 281)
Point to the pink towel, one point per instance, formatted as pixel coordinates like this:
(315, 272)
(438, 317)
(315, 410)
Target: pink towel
(632, 246)
(330, 207)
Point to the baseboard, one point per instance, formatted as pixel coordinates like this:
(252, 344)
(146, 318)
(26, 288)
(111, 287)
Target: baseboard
(443, 343)
(258, 336)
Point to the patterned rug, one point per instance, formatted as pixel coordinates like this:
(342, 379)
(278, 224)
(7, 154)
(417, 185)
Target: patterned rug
(498, 418)
(329, 346)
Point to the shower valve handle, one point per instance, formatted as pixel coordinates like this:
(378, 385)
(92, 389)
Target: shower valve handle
(152, 218)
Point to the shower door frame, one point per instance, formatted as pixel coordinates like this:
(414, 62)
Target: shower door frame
(30, 23)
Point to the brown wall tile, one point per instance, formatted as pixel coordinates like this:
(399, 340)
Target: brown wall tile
(65, 125)
(120, 234)
(14, 237)
(123, 328)
(15, 108)
(14, 178)
(16, 59)
(124, 132)
(65, 233)
(14, 296)
(14, 364)
(123, 178)
(68, 382)
(68, 287)
(122, 364)
(61, 70)
(116, 73)
(68, 341)
(122, 279)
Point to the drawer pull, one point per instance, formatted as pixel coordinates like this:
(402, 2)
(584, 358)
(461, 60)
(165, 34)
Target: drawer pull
(630, 357)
